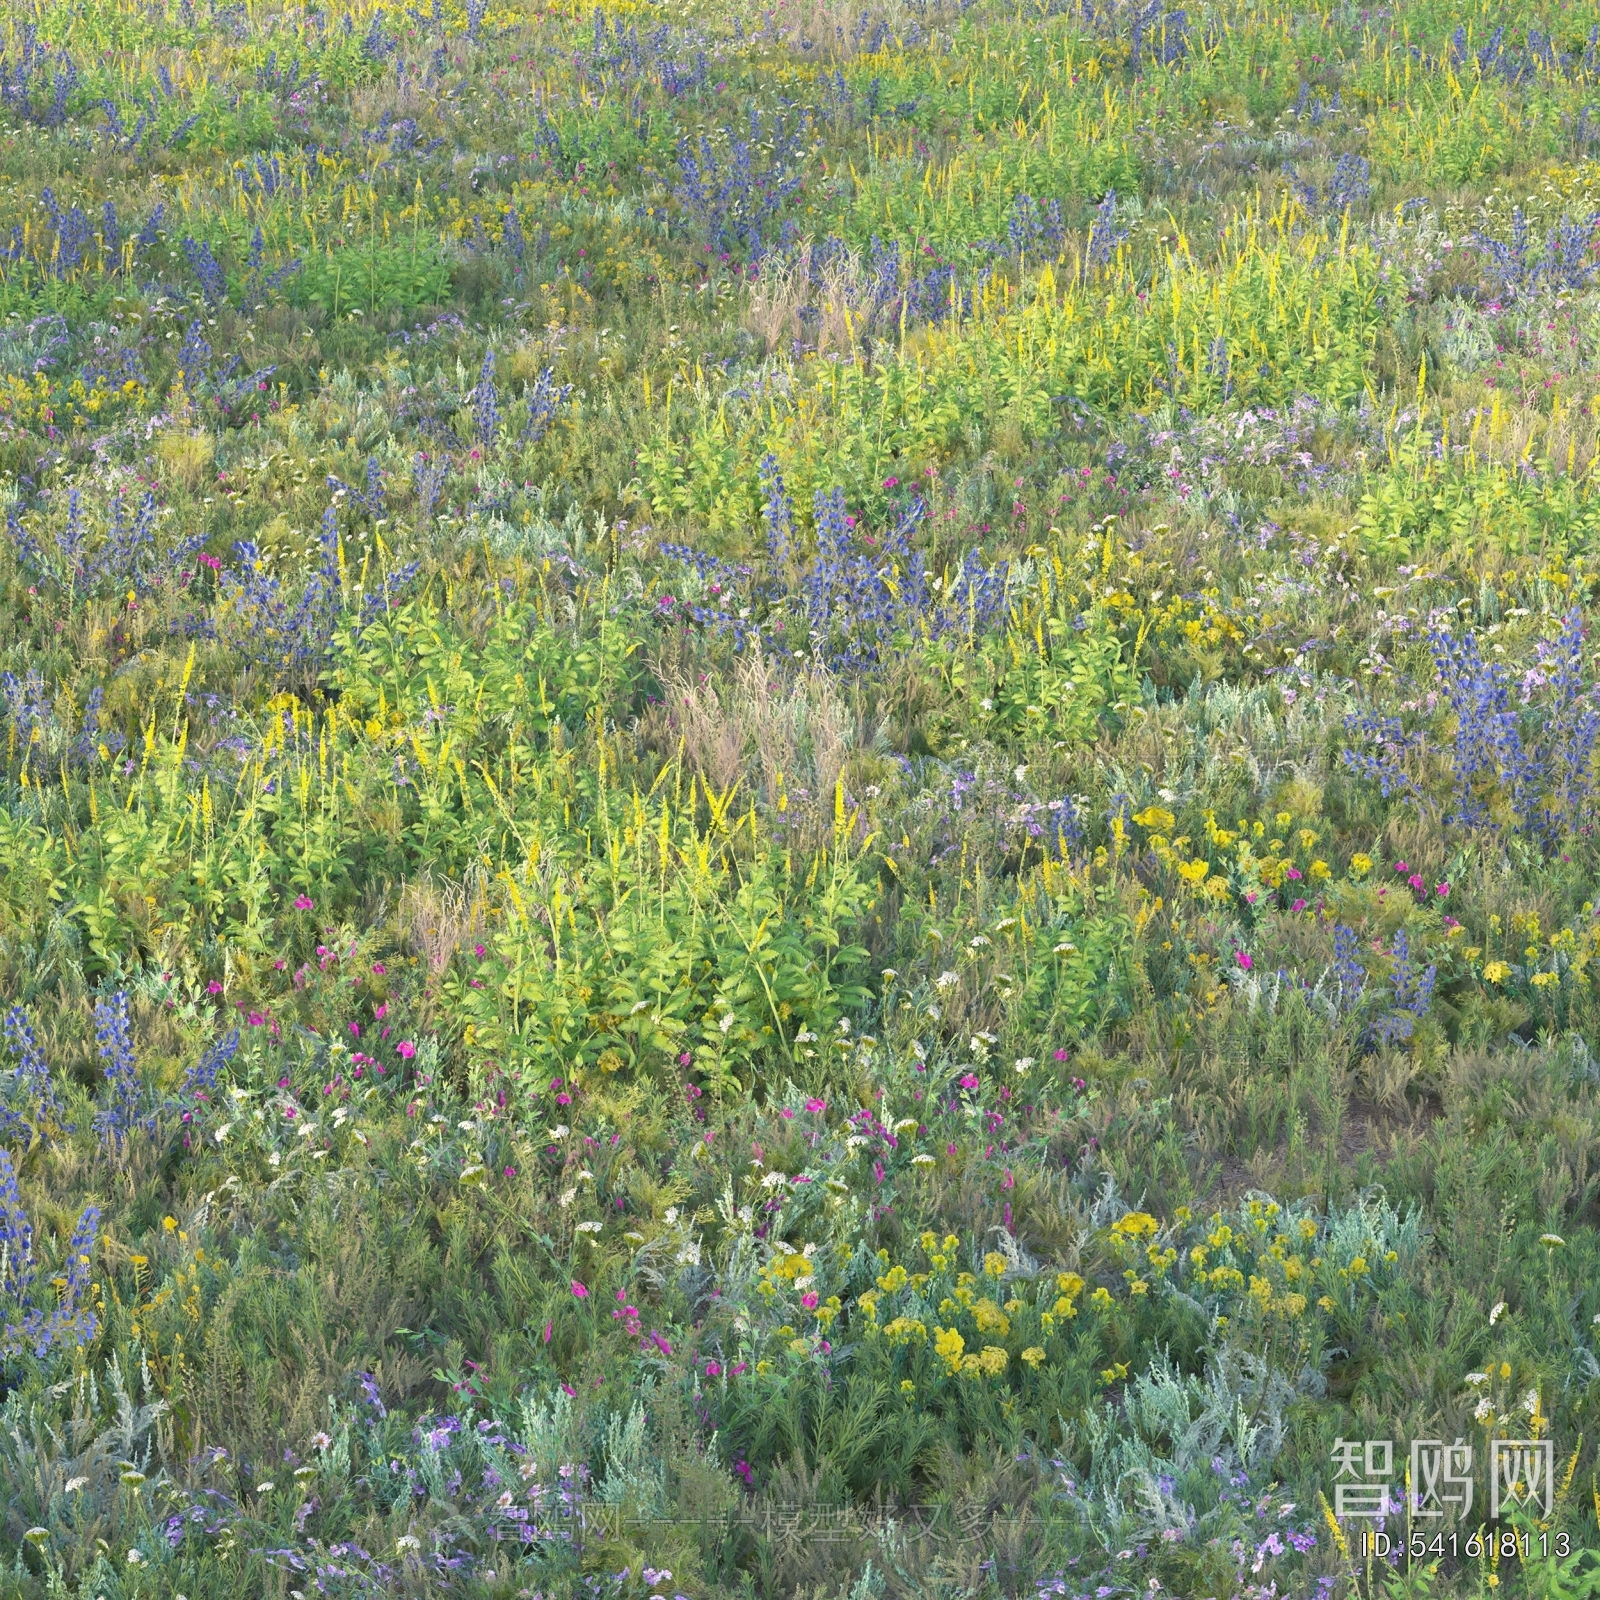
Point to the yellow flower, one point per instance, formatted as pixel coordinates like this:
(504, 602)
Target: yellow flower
(993, 1360)
(928, 1242)
(1326, 1302)
(1357, 1266)
(1069, 1283)
(1157, 819)
(1101, 1298)
(1495, 972)
(1138, 1286)
(903, 1329)
(1543, 980)
(893, 1280)
(907, 1386)
(949, 1346)
(990, 1318)
(1319, 869)
(995, 1264)
(1360, 865)
(1034, 1356)
(1193, 871)
(1135, 1225)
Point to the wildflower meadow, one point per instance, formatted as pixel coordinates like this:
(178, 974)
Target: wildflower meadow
(798, 800)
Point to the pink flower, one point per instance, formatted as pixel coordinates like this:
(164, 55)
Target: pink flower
(477, 950)
(549, 1328)
(563, 1099)
(379, 968)
(950, 1149)
(580, 1291)
(569, 1391)
(1401, 867)
(302, 902)
(406, 1049)
(786, 1114)
(1299, 905)
(256, 1020)
(1442, 888)
(809, 1300)
(381, 1011)
(1008, 1182)
(713, 1369)
(213, 987)
(1415, 880)
(355, 1028)
(1061, 1055)
(685, 1059)
(816, 1105)
(1243, 958)
(969, 1080)
(1294, 873)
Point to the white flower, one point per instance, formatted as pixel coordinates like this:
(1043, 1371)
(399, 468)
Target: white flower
(560, 1131)
(977, 941)
(1023, 1063)
(1484, 1410)
(135, 1557)
(727, 1022)
(1530, 1402)
(266, 1488)
(856, 1140)
(408, 1541)
(1497, 1313)
(889, 974)
(922, 1160)
(222, 1133)
(805, 1037)
(1483, 1377)
(671, 1215)
(638, 1238)
(589, 1227)
(905, 1125)
(1020, 773)
(568, 1196)
(1066, 948)
(689, 1256)
(774, 1180)
(75, 1484)
(947, 980)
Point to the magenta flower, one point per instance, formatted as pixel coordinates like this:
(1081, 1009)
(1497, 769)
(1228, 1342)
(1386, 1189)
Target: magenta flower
(1415, 880)
(1299, 905)
(1243, 958)
(303, 902)
(713, 1369)
(816, 1105)
(809, 1300)
(406, 1049)
(969, 1080)
(580, 1291)
(1061, 1055)
(213, 987)
(1442, 888)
